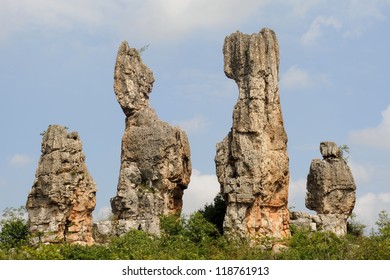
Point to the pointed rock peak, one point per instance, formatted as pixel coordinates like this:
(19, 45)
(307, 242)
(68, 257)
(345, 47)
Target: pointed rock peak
(57, 137)
(133, 80)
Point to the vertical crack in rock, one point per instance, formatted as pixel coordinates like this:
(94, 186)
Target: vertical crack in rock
(252, 161)
(63, 195)
(155, 158)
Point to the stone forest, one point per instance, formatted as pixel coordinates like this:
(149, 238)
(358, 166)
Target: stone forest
(252, 163)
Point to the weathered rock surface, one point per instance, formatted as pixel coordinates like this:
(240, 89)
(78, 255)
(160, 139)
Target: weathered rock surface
(252, 161)
(63, 195)
(330, 150)
(321, 222)
(330, 185)
(155, 158)
(330, 190)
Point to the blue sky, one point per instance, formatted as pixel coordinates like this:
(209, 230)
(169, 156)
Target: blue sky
(57, 61)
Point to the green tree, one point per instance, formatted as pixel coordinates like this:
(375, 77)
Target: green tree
(383, 224)
(14, 231)
(344, 149)
(215, 212)
(354, 227)
(143, 49)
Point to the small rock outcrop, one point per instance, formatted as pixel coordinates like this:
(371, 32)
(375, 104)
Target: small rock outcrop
(155, 158)
(335, 223)
(252, 161)
(63, 195)
(330, 192)
(330, 185)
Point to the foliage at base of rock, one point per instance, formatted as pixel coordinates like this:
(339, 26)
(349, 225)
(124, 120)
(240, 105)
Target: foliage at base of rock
(14, 230)
(196, 239)
(215, 212)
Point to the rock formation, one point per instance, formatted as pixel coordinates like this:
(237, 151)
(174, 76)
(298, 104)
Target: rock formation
(336, 223)
(62, 198)
(252, 161)
(331, 188)
(155, 158)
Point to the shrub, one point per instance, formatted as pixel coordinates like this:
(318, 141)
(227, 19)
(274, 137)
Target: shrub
(354, 227)
(134, 245)
(194, 238)
(306, 245)
(199, 230)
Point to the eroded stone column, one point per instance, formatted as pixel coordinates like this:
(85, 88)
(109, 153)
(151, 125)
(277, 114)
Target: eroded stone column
(252, 161)
(155, 158)
(63, 195)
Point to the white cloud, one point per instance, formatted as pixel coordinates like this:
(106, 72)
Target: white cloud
(19, 160)
(295, 77)
(361, 15)
(298, 78)
(169, 20)
(316, 29)
(174, 18)
(300, 8)
(297, 194)
(367, 9)
(361, 172)
(194, 125)
(48, 15)
(368, 207)
(165, 20)
(351, 17)
(102, 214)
(377, 137)
(201, 190)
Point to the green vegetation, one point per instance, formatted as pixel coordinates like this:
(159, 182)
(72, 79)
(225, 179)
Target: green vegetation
(344, 151)
(215, 212)
(197, 238)
(14, 232)
(143, 49)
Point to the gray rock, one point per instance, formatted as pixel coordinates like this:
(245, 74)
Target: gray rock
(331, 190)
(63, 195)
(155, 158)
(330, 184)
(252, 161)
(133, 80)
(330, 150)
(336, 223)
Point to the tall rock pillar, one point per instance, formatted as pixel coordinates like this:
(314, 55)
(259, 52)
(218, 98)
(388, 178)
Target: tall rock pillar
(155, 158)
(63, 195)
(252, 161)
